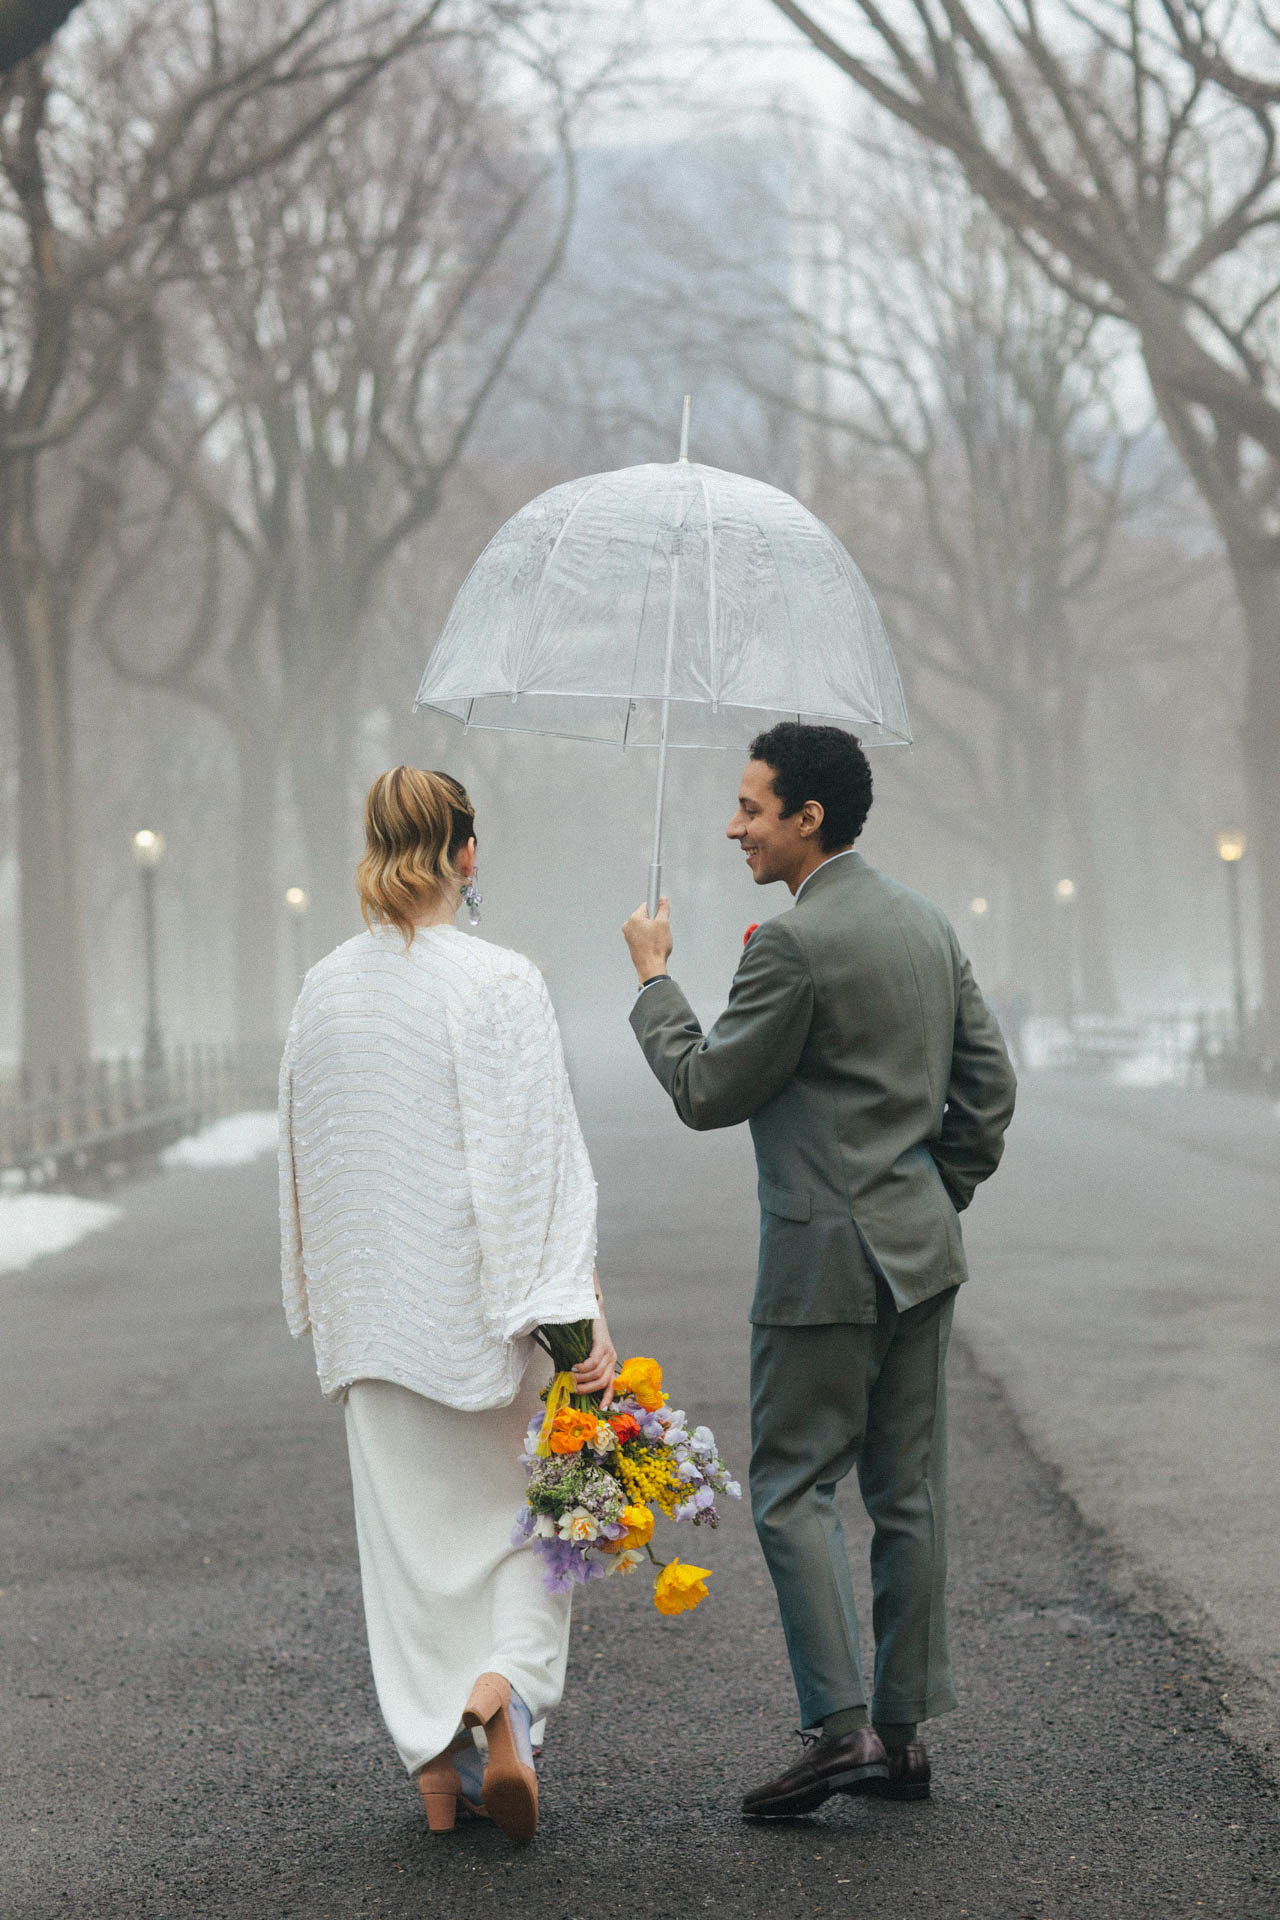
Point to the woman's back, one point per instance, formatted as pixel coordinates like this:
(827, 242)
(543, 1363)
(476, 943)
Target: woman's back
(433, 1163)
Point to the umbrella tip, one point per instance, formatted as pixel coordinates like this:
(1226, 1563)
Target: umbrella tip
(684, 427)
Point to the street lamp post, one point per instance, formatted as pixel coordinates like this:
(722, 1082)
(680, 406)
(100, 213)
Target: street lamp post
(148, 851)
(1231, 852)
(1065, 894)
(295, 899)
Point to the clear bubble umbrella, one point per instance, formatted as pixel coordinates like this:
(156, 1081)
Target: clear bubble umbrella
(666, 606)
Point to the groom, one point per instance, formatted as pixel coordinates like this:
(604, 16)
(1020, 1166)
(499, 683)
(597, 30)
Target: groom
(878, 1090)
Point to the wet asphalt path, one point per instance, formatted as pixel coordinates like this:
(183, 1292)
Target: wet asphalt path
(189, 1724)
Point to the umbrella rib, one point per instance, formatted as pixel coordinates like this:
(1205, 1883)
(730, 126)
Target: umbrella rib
(712, 662)
(555, 548)
(648, 582)
(786, 607)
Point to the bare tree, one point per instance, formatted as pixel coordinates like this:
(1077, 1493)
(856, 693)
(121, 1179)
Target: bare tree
(979, 443)
(1132, 149)
(106, 147)
(348, 320)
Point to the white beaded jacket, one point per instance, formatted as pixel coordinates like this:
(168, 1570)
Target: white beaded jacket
(436, 1199)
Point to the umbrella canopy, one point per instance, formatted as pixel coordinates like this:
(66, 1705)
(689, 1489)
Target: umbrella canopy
(676, 589)
(665, 605)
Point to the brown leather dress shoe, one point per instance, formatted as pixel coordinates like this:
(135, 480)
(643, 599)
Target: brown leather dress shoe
(852, 1763)
(908, 1774)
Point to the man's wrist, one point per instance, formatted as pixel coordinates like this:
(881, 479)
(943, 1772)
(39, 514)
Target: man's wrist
(650, 978)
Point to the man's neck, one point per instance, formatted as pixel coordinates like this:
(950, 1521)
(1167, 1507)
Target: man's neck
(810, 867)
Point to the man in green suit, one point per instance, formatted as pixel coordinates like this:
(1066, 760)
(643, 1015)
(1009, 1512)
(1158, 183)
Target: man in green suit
(878, 1091)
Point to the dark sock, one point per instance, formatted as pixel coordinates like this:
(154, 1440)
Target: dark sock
(896, 1733)
(847, 1720)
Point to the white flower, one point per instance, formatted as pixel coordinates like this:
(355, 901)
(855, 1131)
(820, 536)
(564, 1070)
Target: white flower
(544, 1527)
(603, 1440)
(626, 1562)
(688, 1471)
(704, 1441)
(675, 1435)
(579, 1526)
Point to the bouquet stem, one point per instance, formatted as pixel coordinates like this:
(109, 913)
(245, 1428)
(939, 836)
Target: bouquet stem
(567, 1344)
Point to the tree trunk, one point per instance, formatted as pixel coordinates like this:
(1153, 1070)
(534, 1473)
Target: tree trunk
(1092, 920)
(328, 820)
(258, 907)
(1259, 591)
(55, 1023)
(1034, 959)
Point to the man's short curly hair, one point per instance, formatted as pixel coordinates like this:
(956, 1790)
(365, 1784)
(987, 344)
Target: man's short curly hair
(823, 764)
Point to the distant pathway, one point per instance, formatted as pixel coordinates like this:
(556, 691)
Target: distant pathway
(188, 1723)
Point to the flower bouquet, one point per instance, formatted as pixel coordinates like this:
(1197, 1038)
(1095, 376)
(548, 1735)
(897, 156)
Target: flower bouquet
(596, 1478)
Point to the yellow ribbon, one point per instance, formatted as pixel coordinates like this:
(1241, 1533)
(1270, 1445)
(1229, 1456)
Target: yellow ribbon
(557, 1396)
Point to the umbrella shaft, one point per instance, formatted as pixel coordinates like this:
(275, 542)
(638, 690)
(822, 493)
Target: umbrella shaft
(655, 865)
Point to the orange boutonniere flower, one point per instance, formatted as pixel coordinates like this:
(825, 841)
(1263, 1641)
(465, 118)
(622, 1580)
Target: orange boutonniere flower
(753, 928)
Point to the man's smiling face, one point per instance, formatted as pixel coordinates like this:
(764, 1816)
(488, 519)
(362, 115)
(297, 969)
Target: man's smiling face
(775, 848)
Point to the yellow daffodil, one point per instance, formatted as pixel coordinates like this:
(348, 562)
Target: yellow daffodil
(639, 1524)
(679, 1588)
(642, 1379)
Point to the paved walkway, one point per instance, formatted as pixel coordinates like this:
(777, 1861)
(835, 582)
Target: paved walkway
(1126, 1293)
(189, 1728)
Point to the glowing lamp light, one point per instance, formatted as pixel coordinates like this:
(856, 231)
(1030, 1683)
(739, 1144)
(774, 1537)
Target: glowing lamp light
(1231, 847)
(978, 907)
(1066, 889)
(295, 898)
(148, 847)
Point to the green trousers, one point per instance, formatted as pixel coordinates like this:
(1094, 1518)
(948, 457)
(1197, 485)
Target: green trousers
(823, 1400)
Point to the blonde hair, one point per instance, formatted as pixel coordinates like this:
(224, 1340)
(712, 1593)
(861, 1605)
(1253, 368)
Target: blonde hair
(416, 824)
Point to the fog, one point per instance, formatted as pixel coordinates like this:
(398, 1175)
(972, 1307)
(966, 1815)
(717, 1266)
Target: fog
(278, 427)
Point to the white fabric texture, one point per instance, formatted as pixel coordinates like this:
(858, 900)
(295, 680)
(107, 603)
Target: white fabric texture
(446, 1595)
(436, 1199)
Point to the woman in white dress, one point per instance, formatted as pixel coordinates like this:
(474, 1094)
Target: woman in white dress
(437, 1204)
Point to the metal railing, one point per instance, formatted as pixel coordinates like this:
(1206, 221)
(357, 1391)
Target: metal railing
(1201, 1048)
(110, 1114)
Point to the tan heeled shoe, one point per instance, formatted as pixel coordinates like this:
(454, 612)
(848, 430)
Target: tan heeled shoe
(439, 1785)
(510, 1787)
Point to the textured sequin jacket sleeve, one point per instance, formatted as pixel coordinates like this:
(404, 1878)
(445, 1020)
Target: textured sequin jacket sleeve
(291, 1276)
(436, 1199)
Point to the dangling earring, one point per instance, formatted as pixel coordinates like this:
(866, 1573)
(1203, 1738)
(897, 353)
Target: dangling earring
(472, 897)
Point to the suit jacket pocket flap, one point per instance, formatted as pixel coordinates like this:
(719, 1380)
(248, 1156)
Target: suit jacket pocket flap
(784, 1201)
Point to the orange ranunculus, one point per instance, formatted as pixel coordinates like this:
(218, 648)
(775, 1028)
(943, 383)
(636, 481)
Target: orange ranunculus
(625, 1429)
(642, 1379)
(570, 1430)
(638, 1522)
(679, 1587)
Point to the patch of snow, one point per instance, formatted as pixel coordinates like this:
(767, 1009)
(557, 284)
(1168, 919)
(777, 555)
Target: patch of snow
(32, 1224)
(232, 1142)
(1149, 1070)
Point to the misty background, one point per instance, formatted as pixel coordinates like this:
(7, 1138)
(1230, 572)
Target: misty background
(298, 309)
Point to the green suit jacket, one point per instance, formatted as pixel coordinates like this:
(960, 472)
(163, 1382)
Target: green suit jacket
(876, 1083)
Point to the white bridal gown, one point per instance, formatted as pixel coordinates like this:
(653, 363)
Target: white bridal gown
(437, 1204)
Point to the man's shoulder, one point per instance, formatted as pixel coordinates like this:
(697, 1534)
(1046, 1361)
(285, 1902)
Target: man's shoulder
(854, 888)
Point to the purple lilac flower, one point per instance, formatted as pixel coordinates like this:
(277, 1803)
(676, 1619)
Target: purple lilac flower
(565, 1566)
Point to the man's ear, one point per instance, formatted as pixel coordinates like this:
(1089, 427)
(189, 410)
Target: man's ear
(811, 817)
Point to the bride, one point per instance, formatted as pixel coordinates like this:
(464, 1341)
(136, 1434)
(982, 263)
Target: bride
(436, 1205)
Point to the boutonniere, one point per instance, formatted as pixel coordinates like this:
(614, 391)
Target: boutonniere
(750, 930)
